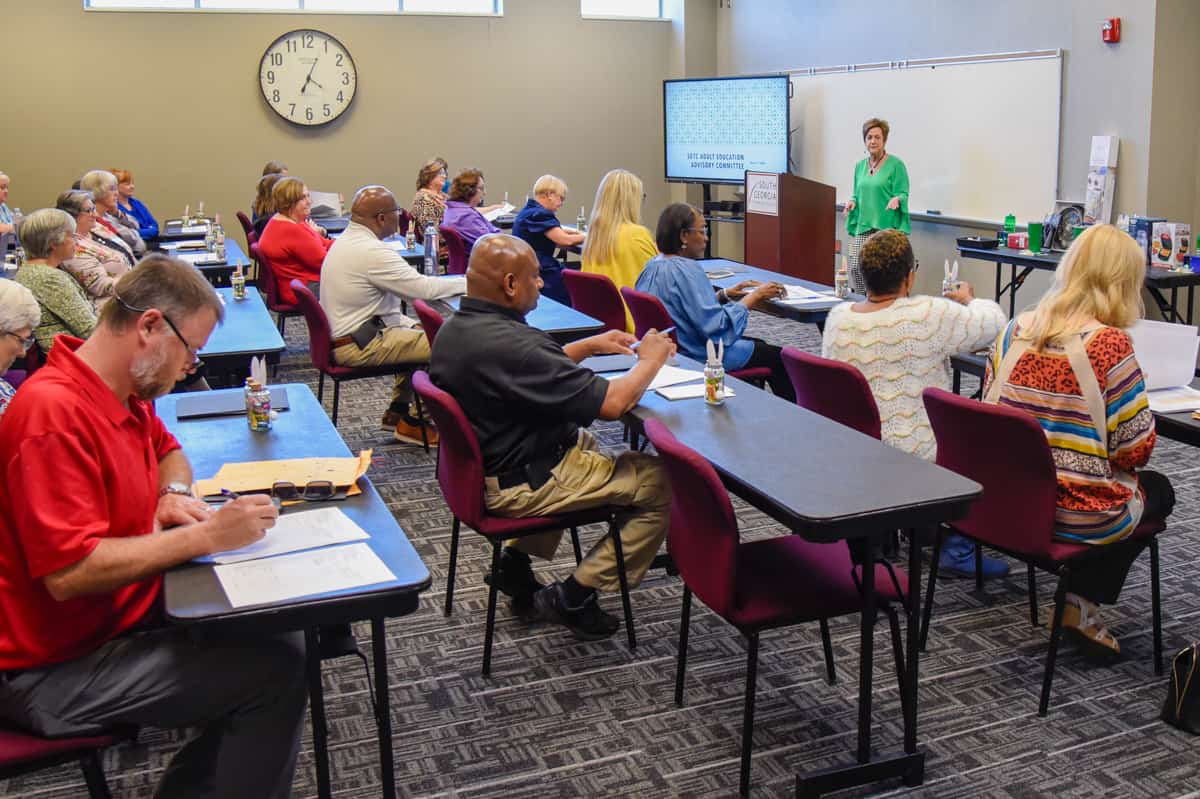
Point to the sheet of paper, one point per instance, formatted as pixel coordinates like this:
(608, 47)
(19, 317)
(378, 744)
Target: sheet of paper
(802, 293)
(199, 258)
(317, 571)
(190, 229)
(260, 475)
(690, 391)
(667, 376)
(718, 274)
(294, 532)
(1166, 352)
(1174, 400)
(496, 213)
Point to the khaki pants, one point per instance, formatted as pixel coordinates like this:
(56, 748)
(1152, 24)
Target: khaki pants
(395, 345)
(587, 478)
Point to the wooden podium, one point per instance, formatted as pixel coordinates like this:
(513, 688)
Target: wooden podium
(798, 238)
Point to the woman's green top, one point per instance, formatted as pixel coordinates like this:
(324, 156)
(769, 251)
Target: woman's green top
(65, 306)
(871, 196)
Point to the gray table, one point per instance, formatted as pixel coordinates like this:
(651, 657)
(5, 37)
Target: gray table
(1157, 280)
(248, 331)
(825, 482)
(193, 595)
(812, 314)
(563, 323)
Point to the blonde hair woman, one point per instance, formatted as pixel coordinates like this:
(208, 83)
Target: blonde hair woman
(617, 244)
(291, 241)
(537, 224)
(1071, 365)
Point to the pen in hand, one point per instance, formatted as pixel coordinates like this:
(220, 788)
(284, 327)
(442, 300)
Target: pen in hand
(665, 332)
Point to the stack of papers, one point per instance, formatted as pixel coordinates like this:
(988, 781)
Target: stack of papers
(801, 295)
(294, 532)
(1167, 355)
(667, 376)
(318, 571)
(199, 258)
(496, 213)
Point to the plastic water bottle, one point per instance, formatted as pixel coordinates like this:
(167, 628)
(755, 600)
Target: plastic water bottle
(431, 250)
(581, 221)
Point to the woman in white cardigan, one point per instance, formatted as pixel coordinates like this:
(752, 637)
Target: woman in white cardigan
(902, 345)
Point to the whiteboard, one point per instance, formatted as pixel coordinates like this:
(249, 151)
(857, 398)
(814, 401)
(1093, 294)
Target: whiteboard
(980, 139)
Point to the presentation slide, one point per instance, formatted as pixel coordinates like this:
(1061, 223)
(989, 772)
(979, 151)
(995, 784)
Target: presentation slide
(718, 128)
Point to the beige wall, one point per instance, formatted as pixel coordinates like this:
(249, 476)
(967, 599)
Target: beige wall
(1175, 117)
(175, 98)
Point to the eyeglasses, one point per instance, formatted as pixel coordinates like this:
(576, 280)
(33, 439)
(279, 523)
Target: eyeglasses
(196, 362)
(703, 230)
(313, 491)
(26, 341)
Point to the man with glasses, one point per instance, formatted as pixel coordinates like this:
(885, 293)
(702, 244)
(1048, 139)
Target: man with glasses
(90, 480)
(364, 282)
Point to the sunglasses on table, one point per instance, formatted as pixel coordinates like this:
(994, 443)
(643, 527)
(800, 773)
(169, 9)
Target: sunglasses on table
(313, 491)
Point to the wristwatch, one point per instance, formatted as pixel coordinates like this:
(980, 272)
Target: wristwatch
(183, 489)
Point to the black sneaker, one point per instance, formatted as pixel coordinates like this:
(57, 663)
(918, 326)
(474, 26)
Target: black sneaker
(515, 579)
(588, 622)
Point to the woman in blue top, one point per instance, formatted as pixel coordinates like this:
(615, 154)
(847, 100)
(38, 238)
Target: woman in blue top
(537, 224)
(132, 206)
(700, 313)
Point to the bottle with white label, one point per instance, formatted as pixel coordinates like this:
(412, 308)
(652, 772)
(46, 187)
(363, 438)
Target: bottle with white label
(581, 220)
(431, 250)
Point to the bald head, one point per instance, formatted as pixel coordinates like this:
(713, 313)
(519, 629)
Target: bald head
(375, 207)
(504, 270)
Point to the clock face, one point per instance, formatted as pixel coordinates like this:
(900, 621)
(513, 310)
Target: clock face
(308, 78)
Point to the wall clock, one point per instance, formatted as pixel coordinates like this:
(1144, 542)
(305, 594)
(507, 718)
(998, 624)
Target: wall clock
(308, 78)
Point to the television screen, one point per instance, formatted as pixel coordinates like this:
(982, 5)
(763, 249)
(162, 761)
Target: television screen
(717, 128)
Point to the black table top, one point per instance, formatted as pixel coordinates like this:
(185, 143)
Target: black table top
(1159, 278)
(801, 313)
(192, 592)
(819, 478)
(248, 328)
(563, 323)
(1177, 426)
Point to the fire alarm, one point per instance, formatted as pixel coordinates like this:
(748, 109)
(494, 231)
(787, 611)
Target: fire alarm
(1110, 30)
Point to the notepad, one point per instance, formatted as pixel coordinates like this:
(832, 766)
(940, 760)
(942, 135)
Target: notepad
(316, 571)
(689, 391)
(295, 532)
(611, 363)
(1174, 400)
(667, 376)
(1165, 352)
(718, 274)
(200, 258)
(496, 213)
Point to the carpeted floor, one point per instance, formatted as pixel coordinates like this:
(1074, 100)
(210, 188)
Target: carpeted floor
(560, 718)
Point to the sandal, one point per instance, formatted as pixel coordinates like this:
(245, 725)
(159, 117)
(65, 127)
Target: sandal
(1082, 619)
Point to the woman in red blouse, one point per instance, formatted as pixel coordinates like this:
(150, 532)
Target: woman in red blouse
(291, 241)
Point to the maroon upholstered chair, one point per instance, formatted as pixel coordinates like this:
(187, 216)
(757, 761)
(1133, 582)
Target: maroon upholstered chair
(22, 753)
(649, 313)
(1005, 451)
(247, 228)
(759, 585)
(320, 344)
(33, 360)
(269, 286)
(457, 248)
(460, 474)
(596, 296)
(834, 389)
(406, 221)
(431, 320)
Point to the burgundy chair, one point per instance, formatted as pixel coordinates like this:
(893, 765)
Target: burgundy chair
(457, 248)
(34, 358)
(759, 585)
(431, 320)
(247, 228)
(460, 474)
(22, 753)
(834, 389)
(1005, 451)
(649, 313)
(596, 296)
(269, 287)
(405, 222)
(320, 343)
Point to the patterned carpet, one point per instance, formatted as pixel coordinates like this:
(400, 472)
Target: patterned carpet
(560, 718)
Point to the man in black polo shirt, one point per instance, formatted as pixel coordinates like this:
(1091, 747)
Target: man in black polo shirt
(528, 401)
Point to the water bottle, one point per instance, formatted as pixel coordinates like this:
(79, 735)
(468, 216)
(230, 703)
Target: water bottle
(431, 250)
(581, 221)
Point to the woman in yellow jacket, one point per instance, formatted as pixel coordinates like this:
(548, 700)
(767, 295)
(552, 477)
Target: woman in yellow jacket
(617, 244)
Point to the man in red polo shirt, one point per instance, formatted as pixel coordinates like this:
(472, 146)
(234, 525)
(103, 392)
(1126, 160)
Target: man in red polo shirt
(89, 481)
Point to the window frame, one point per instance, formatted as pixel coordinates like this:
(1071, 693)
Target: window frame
(497, 10)
(625, 18)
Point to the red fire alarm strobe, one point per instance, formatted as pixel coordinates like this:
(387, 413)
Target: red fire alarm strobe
(1110, 30)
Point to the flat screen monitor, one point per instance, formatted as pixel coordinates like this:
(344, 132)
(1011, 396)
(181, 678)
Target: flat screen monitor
(717, 128)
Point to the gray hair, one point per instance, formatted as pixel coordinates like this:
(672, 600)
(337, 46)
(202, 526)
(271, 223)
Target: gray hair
(73, 201)
(19, 309)
(45, 229)
(98, 181)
